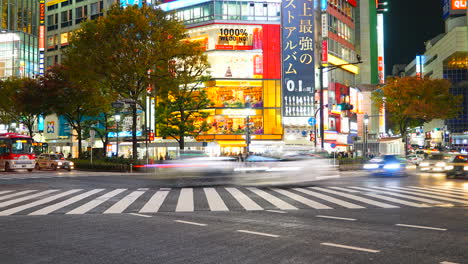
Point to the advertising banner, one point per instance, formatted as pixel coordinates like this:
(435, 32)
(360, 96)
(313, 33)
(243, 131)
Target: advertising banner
(453, 8)
(298, 64)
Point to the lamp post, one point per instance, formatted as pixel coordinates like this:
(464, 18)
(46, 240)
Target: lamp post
(366, 122)
(117, 120)
(247, 129)
(330, 68)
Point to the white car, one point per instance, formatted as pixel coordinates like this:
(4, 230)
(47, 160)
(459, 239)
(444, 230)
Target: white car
(53, 162)
(414, 159)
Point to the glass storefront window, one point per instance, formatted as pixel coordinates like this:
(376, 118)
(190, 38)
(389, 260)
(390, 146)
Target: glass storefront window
(236, 96)
(227, 125)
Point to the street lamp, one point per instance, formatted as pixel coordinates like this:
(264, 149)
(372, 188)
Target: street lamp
(366, 122)
(330, 68)
(117, 120)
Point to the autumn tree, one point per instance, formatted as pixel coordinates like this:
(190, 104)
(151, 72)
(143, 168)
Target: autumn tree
(79, 102)
(121, 49)
(180, 99)
(411, 101)
(23, 100)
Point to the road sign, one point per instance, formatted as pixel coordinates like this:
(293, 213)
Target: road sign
(312, 121)
(333, 145)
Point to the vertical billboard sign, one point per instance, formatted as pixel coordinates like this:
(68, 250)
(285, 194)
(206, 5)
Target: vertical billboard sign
(380, 48)
(298, 63)
(41, 36)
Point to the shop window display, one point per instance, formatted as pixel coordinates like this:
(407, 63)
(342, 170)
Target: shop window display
(236, 96)
(225, 125)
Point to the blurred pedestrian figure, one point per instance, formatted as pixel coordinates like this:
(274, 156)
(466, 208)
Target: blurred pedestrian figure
(241, 158)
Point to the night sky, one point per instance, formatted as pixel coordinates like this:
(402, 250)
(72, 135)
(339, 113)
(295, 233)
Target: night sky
(408, 24)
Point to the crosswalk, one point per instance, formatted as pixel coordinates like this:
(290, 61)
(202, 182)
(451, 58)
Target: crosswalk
(223, 199)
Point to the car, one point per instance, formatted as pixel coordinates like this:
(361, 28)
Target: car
(414, 159)
(434, 162)
(457, 166)
(53, 162)
(387, 165)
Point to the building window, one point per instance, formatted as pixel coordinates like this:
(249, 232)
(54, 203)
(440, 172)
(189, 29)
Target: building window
(52, 7)
(80, 14)
(68, 2)
(66, 18)
(52, 22)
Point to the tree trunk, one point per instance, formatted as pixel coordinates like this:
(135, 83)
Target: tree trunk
(106, 137)
(181, 141)
(134, 128)
(80, 147)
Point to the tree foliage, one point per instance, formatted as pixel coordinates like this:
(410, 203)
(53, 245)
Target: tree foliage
(412, 101)
(77, 101)
(22, 101)
(120, 49)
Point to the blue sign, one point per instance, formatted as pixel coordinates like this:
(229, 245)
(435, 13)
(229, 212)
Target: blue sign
(298, 59)
(323, 4)
(333, 145)
(312, 121)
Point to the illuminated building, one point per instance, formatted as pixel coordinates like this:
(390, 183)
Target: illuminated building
(19, 38)
(446, 56)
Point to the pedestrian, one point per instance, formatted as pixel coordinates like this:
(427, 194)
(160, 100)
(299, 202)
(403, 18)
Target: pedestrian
(241, 158)
(69, 155)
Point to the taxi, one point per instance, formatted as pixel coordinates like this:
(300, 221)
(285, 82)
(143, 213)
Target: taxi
(53, 162)
(457, 166)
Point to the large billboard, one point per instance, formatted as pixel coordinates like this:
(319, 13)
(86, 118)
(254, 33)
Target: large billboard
(298, 62)
(453, 8)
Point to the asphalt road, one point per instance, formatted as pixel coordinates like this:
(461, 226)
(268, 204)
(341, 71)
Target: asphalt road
(85, 217)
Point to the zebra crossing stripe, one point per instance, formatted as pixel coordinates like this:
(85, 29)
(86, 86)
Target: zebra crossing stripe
(443, 190)
(453, 188)
(3, 192)
(424, 200)
(55, 207)
(329, 199)
(155, 202)
(11, 195)
(96, 202)
(344, 189)
(357, 198)
(39, 202)
(185, 202)
(443, 193)
(32, 196)
(395, 200)
(438, 196)
(123, 203)
(301, 199)
(244, 200)
(272, 199)
(214, 200)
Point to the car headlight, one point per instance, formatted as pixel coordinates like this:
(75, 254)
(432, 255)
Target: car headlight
(59, 163)
(392, 166)
(371, 166)
(71, 163)
(440, 164)
(424, 164)
(465, 168)
(450, 167)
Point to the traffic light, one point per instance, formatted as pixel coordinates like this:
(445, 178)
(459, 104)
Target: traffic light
(344, 106)
(151, 136)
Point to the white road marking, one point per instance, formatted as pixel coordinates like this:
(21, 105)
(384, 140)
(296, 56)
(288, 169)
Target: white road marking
(395, 200)
(330, 199)
(18, 200)
(2, 192)
(448, 262)
(124, 203)
(164, 189)
(272, 199)
(343, 189)
(328, 177)
(301, 199)
(442, 190)
(399, 195)
(54, 207)
(438, 197)
(143, 189)
(257, 233)
(357, 198)
(190, 223)
(433, 192)
(11, 195)
(276, 211)
(244, 200)
(214, 200)
(155, 202)
(351, 247)
(39, 202)
(185, 202)
(142, 215)
(423, 227)
(96, 202)
(334, 217)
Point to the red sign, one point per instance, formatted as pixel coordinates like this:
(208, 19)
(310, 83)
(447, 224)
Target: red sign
(258, 64)
(458, 4)
(352, 2)
(232, 47)
(42, 12)
(324, 51)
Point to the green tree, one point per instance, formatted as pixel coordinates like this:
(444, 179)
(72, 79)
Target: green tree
(23, 100)
(178, 111)
(78, 102)
(412, 101)
(120, 49)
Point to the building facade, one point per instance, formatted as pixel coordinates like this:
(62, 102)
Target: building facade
(19, 31)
